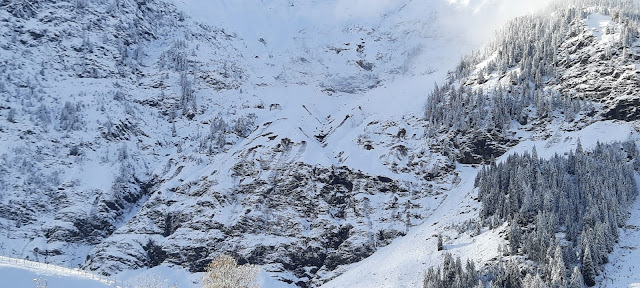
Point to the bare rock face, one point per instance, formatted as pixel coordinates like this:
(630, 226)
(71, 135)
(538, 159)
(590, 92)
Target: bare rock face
(626, 109)
(308, 220)
(481, 147)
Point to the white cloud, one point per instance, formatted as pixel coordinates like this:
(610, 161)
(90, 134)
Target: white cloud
(363, 9)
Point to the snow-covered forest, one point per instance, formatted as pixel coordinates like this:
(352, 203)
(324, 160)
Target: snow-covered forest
(564, 211)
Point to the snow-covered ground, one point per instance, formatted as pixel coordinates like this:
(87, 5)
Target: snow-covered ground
(18, 273)
(22, 273)
(624, 263)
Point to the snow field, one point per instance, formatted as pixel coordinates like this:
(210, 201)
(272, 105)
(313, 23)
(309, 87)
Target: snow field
(21, 273)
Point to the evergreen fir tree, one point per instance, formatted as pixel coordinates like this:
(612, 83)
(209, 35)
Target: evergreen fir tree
(588, 268)
(576, 278)
(533, 281)
(558, 270)
(514, 237)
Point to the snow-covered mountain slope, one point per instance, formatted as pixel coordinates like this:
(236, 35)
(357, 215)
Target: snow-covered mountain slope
(133, 134)
(141, 133)
(323, 212)
(512, 81)
(404, 262)
(595, 43)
